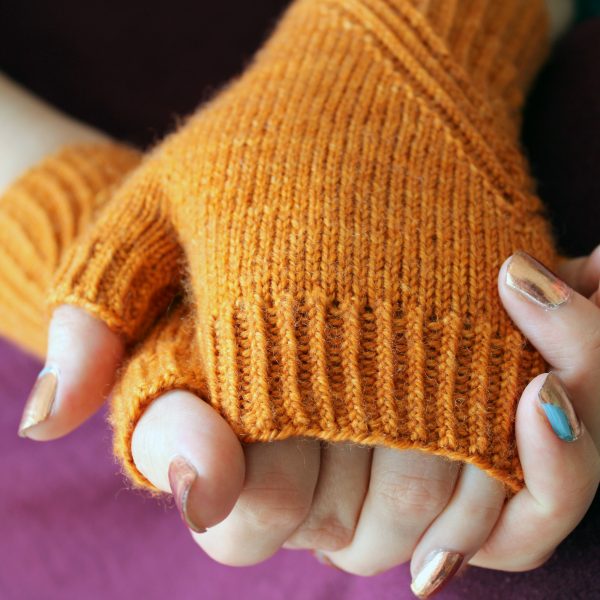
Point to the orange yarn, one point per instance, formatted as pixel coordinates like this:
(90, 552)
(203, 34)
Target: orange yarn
(41, 214)
(342, 211)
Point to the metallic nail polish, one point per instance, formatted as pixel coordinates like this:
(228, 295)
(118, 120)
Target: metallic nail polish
(181, 478)
(534, 281)
(436, 572)
(558, 409)
(41, 399)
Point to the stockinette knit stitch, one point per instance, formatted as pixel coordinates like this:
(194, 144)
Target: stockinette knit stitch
(341, 211)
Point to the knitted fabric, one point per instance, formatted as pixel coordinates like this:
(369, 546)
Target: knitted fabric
(342, 210)
(41, 214)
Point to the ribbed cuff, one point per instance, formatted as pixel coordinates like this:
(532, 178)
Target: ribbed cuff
(127, 267)
(377, 375)
(41, 215)
(380, 374)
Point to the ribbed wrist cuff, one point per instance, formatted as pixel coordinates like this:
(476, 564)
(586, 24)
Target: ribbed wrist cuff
(380, 374)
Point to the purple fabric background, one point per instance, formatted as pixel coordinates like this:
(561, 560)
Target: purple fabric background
(69, 527)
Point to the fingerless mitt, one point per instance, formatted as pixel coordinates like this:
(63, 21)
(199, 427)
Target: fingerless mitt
(41, 215)
(340, 213)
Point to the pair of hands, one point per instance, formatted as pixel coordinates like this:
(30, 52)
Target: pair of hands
(363, 509)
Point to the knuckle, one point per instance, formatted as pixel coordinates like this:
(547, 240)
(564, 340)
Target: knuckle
(274, 503)
(323, 533)
(411, 495)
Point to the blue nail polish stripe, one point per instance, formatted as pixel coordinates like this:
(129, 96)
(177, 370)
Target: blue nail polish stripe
(559, 422)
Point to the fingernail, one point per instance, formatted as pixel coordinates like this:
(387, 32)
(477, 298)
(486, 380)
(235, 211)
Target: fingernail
(320, 556)
(558, 409)
(534, 281)
(41, 399)
(436, 572)
(181, 479)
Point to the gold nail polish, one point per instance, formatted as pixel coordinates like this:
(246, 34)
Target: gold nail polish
(534, 281)
(436, 572)
(181, 479)
(41, 399)
(558, 409)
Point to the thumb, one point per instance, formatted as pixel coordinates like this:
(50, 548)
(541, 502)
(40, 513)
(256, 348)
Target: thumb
(81, 362)
(183, 446)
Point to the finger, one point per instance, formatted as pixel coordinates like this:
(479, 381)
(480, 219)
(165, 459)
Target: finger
(562, 324)
(561, 479)
(458, 532)
(338, 498)
(181, 444)
(582, 273)
(277, 494)
(81, 362)
(407, 490)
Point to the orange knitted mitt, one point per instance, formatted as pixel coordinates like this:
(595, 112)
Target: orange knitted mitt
(41, 215)
(341, 211)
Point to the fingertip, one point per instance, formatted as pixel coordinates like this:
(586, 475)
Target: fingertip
(183, 446)
(557, 455)
(82, 359)
(557, 320)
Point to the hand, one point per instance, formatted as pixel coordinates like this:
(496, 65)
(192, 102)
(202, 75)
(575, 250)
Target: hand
(367, 510)
(561, 476)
